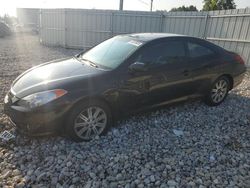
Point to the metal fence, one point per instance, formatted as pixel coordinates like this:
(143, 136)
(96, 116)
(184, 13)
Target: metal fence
(226, 28)
(81, 28)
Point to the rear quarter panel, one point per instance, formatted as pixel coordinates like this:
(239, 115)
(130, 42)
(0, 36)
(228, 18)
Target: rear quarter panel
(233, 68)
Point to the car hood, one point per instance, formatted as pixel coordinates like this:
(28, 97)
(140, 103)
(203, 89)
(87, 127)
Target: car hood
(43, 76)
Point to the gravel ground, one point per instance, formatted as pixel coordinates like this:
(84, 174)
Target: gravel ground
(189, 145)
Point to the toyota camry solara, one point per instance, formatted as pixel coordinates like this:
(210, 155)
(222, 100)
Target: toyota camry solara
(82, 95)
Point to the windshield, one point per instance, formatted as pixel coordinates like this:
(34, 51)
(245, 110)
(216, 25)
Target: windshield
(111, 53)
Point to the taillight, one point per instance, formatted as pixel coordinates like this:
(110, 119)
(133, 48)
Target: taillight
(239, 59)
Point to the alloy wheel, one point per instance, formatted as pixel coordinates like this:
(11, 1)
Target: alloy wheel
(219, 91)
(90, 123)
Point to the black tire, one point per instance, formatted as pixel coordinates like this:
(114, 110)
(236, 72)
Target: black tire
(74, 116)
(209, 99)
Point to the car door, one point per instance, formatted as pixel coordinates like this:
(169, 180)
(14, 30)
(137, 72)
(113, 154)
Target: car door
(203, 61)
(166, 77)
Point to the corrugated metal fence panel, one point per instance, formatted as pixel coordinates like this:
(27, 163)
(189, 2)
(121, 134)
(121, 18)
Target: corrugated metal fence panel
(52, 27)
(230, 29)
(82, 28)
(187, 23)
(86, 28)
(246, 36)
(136, 22)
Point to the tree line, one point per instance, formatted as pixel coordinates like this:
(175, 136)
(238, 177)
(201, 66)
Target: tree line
(209, 5)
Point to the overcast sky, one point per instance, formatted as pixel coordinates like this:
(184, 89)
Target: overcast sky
(9, 6)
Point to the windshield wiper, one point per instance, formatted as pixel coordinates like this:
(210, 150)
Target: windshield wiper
(90, 62)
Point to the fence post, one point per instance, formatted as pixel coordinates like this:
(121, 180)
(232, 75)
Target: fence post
(111, 24)
(161, 23)
(40, 25)
(205, 26)
(65, 28)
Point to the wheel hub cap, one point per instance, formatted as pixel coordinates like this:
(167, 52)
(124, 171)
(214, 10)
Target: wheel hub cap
(90, 122)
(219, 91)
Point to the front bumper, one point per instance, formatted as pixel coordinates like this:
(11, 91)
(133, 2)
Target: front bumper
(43, 121)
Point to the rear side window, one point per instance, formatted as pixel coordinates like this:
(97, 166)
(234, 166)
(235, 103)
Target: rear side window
(197, 50)
(163, 53)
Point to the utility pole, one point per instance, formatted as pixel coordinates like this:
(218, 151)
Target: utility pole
(121, 5)
(151, 6)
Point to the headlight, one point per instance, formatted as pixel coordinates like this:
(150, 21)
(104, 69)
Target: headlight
(41, 98)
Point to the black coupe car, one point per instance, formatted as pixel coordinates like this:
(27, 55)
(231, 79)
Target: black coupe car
(82, 95)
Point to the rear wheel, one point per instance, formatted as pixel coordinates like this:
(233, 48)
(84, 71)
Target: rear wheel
(218, 91)
(88, 120)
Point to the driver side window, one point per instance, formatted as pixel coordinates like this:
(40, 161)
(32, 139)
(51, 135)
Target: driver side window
(163, 53)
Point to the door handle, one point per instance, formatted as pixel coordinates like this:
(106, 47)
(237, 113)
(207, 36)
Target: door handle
(185, 72)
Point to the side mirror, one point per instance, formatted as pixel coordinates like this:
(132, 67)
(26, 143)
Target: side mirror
(138, 67)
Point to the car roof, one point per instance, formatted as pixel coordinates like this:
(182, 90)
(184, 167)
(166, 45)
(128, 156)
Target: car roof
(145, 37)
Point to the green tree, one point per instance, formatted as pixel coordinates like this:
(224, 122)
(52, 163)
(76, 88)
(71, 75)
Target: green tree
(226, 4)
(218, 5)
(183, 8)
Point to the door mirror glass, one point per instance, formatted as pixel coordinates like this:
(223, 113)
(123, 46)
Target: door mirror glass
(138, 67)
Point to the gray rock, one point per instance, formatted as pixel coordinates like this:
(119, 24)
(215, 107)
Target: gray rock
(16, 172)
(152, 178)
(140, 185)
(164, 186)
(113, 185)
(168, 167)
(86, 168)
(88, 184)
(145, 172)
(6, 174)
(171, 183)
(76, 179)
(199, 181)
(30, 172)
(79, 156)
(133, 185)
(20, 185)
(69, 164)
(157, 183)
(178, 132)
(58, 185)
(54, 181)
(127, 185)
(119, 177)
(137, 181)
(92, 175)
(216, 181)
(40, 176)
(61, 176)
(147, 181)
(191, 183)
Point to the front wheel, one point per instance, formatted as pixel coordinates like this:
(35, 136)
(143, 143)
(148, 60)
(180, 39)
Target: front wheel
(88, 120)
(218, 92)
